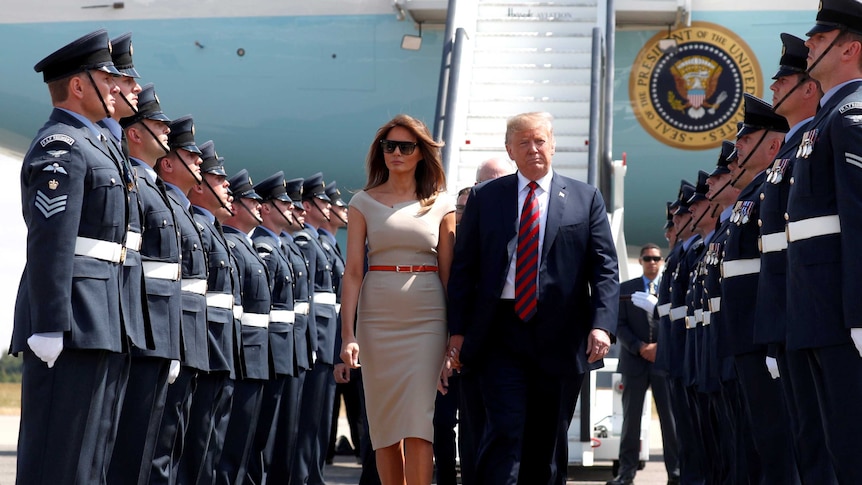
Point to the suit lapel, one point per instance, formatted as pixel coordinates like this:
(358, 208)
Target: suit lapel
(557, 199)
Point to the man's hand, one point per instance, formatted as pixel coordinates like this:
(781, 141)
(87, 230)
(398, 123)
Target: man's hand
(772, 366)
(648, 351)
(453, 352)
(598, 344)
(174, 371)
(342, 373)
(47, 346)
(645, 301)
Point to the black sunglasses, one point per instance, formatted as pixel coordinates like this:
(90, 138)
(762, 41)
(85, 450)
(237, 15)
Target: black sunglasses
(405, 147)
(651, 259)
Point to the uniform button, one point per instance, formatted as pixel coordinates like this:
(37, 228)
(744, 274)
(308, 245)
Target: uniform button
(728, 232)
(759, 223)
(762, 196)
(259, 271)
(113, 181)
(786, 216)
(792, 181)
(221, 263)
(195, 245)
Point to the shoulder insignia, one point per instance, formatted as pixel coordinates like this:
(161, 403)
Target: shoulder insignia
(853, 159)
(61, 137)
(852, 120)
(50, 206)
(231, 244)
(55, 167)
(849, 106)
(264, 246)
(57, 153)
(325, 245)
(200, 226)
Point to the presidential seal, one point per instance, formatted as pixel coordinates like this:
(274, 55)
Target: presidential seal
(691, 98)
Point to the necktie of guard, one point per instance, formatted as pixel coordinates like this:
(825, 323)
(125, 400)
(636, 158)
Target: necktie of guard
(527, 262)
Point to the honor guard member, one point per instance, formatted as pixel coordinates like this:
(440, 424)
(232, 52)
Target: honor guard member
(717, 377)
(757, 143)
(67, 314)
(275, 211)
(180, 171)
(662, 307)
(692, 459)
(146, 135)
(795, 96)
(305, 338)
(255, 295)
(319, 388)
(213, 393)
(824, 207)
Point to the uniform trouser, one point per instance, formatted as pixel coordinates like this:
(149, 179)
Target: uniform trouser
(173, 428)
(471, 412)
(140, 418)
(764, 401)
(245, 409)
(120, 365)
(348, 391)
(634, 393)
(837, 372)
(691, 454)
(800, 394)
(65, 411)
(741, 456)
(698, 402)
(268, 423)
(314, 416)
(208, 420)
(284, 449)
(445, 420)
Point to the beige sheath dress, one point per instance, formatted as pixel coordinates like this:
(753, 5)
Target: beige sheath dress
(401, 319)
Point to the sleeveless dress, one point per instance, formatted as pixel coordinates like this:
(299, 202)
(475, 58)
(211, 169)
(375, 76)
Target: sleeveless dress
(401, 319)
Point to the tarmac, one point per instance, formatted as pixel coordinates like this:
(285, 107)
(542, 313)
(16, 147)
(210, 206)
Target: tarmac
(345, 470)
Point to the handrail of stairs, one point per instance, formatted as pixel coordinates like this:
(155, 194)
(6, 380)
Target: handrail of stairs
(596, 88)
(451, 96)
(606, 185)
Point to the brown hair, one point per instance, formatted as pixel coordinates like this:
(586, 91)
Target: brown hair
(430, 177)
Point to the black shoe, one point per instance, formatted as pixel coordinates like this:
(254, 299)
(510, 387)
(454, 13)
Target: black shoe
(620, 481)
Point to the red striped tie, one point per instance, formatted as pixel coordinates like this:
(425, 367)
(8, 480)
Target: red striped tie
(527, 264)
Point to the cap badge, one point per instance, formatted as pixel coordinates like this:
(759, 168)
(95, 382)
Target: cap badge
(131, 50)
(110, 47)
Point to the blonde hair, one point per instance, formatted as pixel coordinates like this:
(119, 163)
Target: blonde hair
(526, 121)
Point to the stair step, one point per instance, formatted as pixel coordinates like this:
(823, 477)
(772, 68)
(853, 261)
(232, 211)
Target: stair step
(578, 75)
(512, 107)
(570, 141)
(534, 90)
(536, 12)
(522, 3)
(538, 56)
(581, 26)
(515, 40)
(497, 124)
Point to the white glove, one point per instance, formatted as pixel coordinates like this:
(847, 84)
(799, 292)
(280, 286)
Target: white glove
(645, 301)
(174, 371)
(47, 346)
(772, 366)
(856, 335)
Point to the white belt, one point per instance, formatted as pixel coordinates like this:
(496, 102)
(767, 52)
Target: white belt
(663, 310)
(301, 308)
(715, 304)
(219, 300)
(707, 318)
(324, 298)
(98, 249)
(255, 319)
(282, 316)
(133, 240)
(677, 313)
(769, 243)
(698, 315)
(690, 322)
(740, 267)
(237, 311)
(162, 271)
(815, 226)
(195, 286)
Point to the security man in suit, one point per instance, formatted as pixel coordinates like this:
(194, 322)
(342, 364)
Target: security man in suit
(255, 296)
(304, 335)
(276, 214)
(637, 332)
(795, 96)
(180, 171)
(757, 143)
(213, 392)
(823, 210)
(319, 388)
(67, 314)
(146, 135)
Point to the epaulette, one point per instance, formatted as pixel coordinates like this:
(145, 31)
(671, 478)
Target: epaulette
(231, 244)
(200, 226)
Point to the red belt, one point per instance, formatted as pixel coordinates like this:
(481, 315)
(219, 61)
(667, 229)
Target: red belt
(404, 268)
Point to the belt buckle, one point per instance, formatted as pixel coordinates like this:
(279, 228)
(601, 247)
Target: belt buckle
(123, 254)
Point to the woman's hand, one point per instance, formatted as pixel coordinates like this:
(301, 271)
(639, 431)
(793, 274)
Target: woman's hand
(350, 354)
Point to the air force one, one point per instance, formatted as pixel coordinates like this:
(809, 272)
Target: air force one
(301, 86)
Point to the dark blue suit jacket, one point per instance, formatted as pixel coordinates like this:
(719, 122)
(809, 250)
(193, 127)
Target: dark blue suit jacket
(578, 278)
(633, 330)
